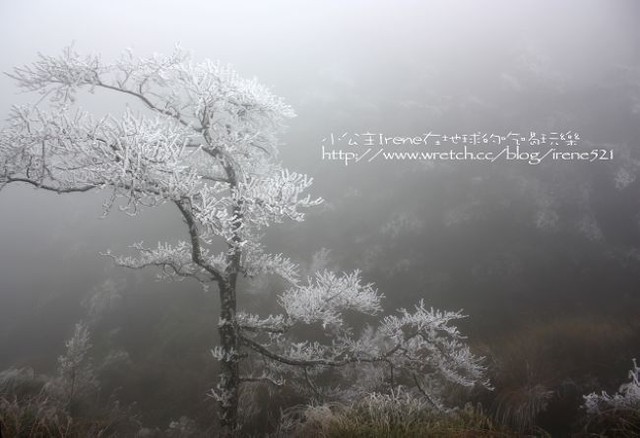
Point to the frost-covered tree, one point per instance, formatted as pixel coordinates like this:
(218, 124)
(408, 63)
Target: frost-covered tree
(76, 376)
(205, 141)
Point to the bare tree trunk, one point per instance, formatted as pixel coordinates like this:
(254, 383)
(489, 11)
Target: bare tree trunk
(230, 370)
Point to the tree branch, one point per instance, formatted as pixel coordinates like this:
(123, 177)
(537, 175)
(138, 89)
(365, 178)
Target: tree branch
(149, 104)
(265, 379)
(422, 391)
(302, 362)
(40, 185)
(196, 247)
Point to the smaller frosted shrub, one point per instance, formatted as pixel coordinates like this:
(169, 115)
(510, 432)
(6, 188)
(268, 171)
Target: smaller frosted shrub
(627, 397)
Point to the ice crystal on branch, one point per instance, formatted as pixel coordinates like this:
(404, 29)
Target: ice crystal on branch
(175, 261)
(328, 296)
(257, 262)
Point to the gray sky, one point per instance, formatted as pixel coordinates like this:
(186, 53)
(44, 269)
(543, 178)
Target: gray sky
(290, 44)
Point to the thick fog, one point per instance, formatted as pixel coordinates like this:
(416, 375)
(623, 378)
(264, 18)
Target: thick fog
(511, 242)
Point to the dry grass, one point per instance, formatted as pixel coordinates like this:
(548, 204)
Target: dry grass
(534, 367)
(34, 417)
(622, 423)
(28, 411)
(394, 416)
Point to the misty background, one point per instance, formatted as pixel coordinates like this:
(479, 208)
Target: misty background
(511, 243)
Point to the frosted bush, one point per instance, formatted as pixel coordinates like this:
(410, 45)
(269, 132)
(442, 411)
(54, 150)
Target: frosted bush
(627, 397)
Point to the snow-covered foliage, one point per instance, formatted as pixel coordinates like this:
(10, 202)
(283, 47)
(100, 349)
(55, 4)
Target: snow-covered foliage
(627, 397)
(208, 142)
(419, 348)
(328, 296)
